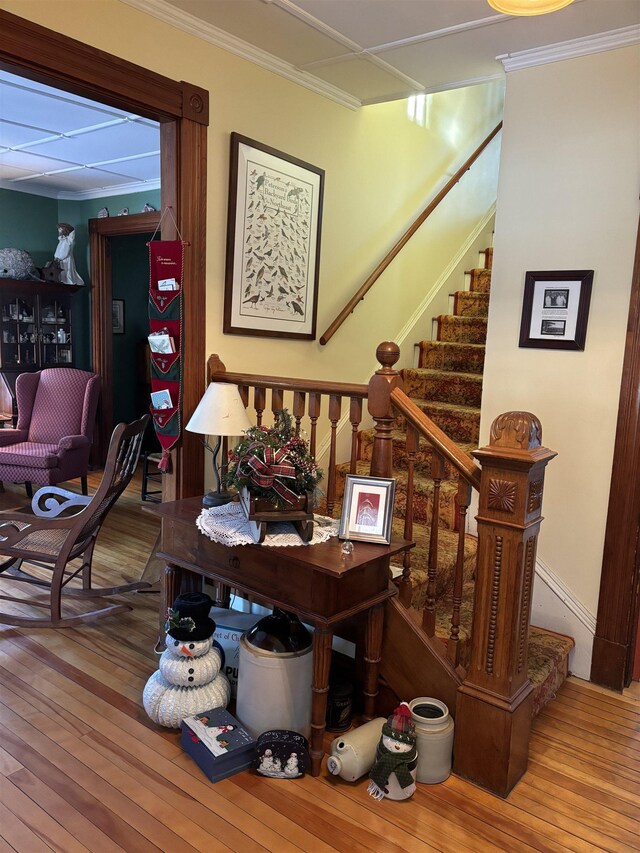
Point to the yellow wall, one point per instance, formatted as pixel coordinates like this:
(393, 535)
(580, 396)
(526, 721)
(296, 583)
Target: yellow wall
(568, 199)
(380, 169)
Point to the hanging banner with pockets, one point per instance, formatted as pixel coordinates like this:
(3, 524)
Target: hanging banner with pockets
(166, 264)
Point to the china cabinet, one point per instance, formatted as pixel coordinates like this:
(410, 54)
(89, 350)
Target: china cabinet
(36, 328)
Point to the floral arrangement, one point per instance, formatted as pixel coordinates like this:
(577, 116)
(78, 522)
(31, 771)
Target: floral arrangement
(273, 463)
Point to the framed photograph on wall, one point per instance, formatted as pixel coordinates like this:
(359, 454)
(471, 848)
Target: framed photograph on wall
(273, 243)
(555, 309)
(367, 509)
(117, 316)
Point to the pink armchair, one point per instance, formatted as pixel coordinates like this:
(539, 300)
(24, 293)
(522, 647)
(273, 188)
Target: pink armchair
(56, 416)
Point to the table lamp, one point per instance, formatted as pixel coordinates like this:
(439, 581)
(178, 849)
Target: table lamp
(220, 412)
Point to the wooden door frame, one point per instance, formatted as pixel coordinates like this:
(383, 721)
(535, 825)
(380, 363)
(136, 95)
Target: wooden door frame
(619, 601)
(101, 231)
(182, 109)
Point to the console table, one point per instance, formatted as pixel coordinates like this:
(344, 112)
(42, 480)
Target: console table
(317, 582)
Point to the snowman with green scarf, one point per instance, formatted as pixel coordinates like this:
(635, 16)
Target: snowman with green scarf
(393, 774)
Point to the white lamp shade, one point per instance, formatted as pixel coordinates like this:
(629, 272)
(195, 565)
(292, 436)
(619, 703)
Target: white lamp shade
(528, 7)
(220, 412)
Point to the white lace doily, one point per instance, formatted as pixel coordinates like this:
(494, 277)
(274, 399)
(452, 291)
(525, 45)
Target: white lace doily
(228, 525)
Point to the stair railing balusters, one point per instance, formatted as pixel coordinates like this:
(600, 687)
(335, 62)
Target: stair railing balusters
(314, 414)
(355, 418)
(277, 403)
(463, 499)
(429, 614)
(299, 401)
(334, 416)
(411, 448)
(259, 403)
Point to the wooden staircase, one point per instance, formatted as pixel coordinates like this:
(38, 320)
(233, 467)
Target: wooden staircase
(447, 387)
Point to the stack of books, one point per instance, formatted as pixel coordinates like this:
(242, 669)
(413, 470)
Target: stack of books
(218, 744)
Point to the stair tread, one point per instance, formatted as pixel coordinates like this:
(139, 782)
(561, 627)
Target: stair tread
(446, 407)
(435, 371)
(452, 344)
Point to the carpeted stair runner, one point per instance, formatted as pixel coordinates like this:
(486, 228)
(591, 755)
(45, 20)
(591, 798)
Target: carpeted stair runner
(447, 386)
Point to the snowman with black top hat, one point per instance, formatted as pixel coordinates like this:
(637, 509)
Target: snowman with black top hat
(189, 681)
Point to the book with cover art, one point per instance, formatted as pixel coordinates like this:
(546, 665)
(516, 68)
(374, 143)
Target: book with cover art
(218, 743)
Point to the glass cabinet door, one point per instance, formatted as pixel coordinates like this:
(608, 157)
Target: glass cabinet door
(55, 332)
(19, 333)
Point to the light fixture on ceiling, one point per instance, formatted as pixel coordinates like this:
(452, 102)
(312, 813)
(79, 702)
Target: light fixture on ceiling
(528, 7)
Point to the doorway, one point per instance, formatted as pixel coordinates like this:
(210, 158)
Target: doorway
(182, 110)
(104, 236)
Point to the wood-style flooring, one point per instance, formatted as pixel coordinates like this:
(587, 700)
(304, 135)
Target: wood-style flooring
(82, 768)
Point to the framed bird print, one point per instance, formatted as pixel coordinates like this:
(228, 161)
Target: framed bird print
(273, 243)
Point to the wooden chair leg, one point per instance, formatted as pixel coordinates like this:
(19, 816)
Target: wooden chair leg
(83, 481)
(29, 489)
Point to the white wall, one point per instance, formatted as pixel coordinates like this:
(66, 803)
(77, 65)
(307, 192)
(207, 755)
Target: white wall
(567, 199)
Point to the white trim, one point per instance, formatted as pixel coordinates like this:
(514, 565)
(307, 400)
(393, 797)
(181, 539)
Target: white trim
(597, 43)
(566, 596)
(207, 32)
(444, 276)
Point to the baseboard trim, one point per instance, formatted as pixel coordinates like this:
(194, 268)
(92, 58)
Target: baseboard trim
(566, 596)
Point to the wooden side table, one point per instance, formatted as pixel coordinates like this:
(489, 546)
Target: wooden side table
(317, 582)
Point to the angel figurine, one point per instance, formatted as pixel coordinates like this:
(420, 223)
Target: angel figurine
(64, 254)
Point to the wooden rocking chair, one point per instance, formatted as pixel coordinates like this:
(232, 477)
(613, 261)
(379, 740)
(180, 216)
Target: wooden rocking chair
(51, 541)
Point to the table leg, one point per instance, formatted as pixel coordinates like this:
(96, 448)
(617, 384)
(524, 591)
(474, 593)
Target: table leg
(322, 638)
(372, 658)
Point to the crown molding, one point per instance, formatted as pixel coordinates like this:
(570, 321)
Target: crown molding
(83, 195)
(207, 32)
(598, 43)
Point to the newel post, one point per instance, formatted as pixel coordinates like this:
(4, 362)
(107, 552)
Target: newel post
(493, 716)
(381, 385)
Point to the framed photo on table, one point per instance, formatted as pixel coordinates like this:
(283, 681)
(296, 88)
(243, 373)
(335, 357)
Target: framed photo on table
(273, 243)
(555, 309)
(367, 509)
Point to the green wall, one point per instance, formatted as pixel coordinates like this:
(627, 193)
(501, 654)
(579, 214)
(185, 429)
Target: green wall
(130, 282)
(30, 222)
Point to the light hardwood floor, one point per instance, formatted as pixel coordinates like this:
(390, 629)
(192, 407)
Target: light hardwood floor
(82, 768)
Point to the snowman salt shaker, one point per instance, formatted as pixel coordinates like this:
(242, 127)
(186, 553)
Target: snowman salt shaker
(393, 774)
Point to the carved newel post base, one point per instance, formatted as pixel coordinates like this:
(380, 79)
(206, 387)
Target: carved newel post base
(493, 718)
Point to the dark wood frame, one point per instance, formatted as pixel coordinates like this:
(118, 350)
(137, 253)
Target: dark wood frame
(532, 281)
(117, 329)
(619, 599)
(182, 109)
(353, 480)
(229, 297)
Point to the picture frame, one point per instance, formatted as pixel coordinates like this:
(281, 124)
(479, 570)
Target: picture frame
(117, 316)
(555, 309)
(273, 243)
(367, 509)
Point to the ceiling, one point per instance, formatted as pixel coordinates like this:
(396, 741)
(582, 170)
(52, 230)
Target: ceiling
(60, 145)
(367, 51)
(355, 52)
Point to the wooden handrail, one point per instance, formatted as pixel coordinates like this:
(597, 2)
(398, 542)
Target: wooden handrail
(463, 463)
(283, 383)
(384, 263)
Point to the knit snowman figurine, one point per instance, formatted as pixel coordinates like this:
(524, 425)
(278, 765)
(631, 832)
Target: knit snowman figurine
(393, 774)
(189, 681)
